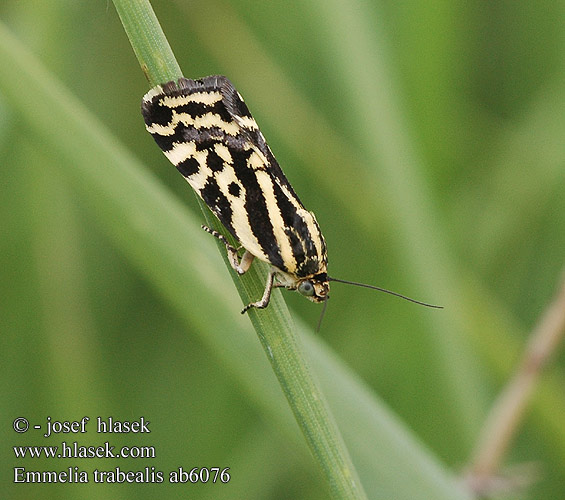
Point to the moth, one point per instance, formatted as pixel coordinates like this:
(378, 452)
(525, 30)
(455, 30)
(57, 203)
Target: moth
(206, 131)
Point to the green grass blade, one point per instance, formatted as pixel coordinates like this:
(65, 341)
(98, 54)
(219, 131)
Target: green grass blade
(274, 326)
(148, 41)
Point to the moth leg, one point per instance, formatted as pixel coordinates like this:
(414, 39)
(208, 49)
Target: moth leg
(240, 267)
(245, 262)
(264, 302)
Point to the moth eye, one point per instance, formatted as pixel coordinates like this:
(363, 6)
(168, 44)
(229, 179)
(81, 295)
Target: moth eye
(306, 288)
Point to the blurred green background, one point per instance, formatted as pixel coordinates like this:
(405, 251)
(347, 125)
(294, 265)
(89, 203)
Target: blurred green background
(428, 139)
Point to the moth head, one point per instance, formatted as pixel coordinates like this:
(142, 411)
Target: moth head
(315, 288)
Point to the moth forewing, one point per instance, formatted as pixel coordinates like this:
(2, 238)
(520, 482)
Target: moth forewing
(206, 130)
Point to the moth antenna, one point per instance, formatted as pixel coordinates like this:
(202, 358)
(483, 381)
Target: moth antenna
(322, 314)
(385, 291)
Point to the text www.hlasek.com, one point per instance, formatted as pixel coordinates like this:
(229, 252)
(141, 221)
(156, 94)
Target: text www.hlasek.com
(74, 450)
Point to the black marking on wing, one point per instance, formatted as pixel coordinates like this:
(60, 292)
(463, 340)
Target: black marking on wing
(234, 189)
(231, 109)
(213, 160)
(218, 203)
(256, 208)
(153, 112)
(301, 241)
(188, 167)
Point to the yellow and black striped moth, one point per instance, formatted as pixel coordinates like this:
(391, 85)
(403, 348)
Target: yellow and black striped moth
(206, 130)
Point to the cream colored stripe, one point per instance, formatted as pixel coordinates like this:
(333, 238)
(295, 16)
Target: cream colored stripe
(207, 98)
(152, 93)
(266, 185)
(198, 180)
(155, 128)
(181, 151)
(309, 219)
(224, 153)
(185, 150)
(207, 120)
(246, 122)
(240, 221)
(257, 160)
